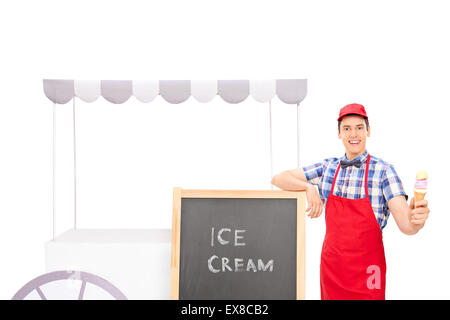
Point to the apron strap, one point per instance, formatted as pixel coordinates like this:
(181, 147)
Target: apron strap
(335, 176)
(365, 177)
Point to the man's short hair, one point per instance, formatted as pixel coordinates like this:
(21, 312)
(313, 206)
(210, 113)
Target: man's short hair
(353, 114)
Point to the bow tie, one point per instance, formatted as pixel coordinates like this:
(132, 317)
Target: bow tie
(345, 164)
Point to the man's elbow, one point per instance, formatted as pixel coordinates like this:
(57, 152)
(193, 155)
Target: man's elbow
(275, 180)
(279, 180)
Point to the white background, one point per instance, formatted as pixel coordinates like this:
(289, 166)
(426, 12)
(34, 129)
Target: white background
(391, 56)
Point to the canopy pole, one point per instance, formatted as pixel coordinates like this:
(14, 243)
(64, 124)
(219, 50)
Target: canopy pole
(298, 135)
(54, 168)
(271, 151)
(74, 169)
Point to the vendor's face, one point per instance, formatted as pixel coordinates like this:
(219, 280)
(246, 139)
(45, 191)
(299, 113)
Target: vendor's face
(353, 133)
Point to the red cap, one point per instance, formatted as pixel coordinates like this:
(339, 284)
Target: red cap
(353, 108)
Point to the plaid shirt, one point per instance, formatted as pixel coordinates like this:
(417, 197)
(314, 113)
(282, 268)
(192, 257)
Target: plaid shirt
(383, 182)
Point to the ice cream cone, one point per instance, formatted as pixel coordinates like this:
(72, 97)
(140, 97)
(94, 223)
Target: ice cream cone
(420, 188)
(419, 194)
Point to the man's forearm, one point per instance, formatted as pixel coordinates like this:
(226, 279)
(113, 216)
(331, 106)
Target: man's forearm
(286, 181)
(402, 212)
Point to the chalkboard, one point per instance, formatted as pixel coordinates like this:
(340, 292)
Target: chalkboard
(238, 244)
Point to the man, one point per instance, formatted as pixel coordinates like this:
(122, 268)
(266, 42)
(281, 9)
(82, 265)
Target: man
(359, 191)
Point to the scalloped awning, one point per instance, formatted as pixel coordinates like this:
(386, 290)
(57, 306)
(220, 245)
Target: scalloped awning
(291, 91)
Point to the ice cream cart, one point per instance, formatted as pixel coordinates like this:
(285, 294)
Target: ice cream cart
(131, 263)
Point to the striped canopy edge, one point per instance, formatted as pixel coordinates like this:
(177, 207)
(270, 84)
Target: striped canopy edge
(289, 91)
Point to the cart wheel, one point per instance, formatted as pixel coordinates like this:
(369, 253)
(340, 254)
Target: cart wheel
(69, 285)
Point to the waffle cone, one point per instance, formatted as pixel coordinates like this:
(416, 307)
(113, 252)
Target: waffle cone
(419, 196)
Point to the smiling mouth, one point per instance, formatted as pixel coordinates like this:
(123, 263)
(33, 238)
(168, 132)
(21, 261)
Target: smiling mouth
(354, 142)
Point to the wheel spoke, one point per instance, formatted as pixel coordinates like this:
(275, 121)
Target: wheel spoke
(40, 293)
(83, 287)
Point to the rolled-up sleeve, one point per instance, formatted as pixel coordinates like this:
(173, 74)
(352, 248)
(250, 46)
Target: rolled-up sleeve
(313, 173)
(392, 185)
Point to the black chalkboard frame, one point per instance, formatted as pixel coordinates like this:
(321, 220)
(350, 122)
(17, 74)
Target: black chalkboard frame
(179, 194)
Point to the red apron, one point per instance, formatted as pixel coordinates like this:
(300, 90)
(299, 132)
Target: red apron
(353, 266)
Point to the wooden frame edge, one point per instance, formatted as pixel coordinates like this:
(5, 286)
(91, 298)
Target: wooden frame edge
(175, 252)
(301, 255)
(198, 193)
